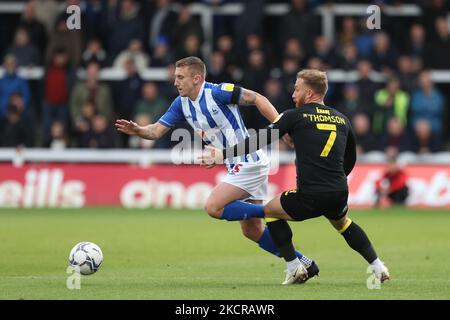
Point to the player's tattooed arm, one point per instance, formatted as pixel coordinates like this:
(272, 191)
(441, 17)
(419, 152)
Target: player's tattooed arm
(248, 98)
(151, 132)
(252, 98)
(154, 131)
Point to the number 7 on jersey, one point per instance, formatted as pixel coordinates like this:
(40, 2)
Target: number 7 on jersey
(331, 138)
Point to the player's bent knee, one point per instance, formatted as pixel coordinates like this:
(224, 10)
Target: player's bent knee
(252, 229)
(213, 210)
(341, 224)
(267, 212)
(271, 213)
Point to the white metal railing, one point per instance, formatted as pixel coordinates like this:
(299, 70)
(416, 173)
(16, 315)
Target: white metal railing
(39, 155)
(162, 74)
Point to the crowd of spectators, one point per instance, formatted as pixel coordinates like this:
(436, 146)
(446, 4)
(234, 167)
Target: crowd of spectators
(407, 112)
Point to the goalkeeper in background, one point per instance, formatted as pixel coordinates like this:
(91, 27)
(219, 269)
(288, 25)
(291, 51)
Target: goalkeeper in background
(393, 184)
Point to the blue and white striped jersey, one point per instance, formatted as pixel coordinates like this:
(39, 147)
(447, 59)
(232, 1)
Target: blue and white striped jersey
(215, 116)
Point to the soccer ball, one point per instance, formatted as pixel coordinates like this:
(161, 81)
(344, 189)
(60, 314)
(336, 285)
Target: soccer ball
(87, 257)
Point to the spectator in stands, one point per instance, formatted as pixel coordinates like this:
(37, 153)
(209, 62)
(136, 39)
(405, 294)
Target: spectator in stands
(82, 122)
(26, 53)
(109, 15)
(186, 26)
(407, 73)
(162, 53)
(348, 59)
(383, 55)
(36, 29)
(12, 131)
(364, 41)
(252, 42)
(431, 10)
(152, 104)
(47, 12)
(254, 77)
(16, 129)
(216, 69)
(162, 22)
(256, 72)
(249, 22)
(316, 63)
(365, 141)
(396, 137)
(438, 52)
(225, 44)
(351, 103)
(366, 86)
(100, 136)
(12, 83)
(427, 110)
(290, 68)
(294, 50)
(135, 52)
(348, 33)
(69, 40)
(58, 139)
(273, 90)
(393, 184)
(58, 81)
(191, 48)
(390, 101)
(299, 23)
(324, 51)
(424, 140)
(415, 45)
(129, 25)
(91, 90)
(91, 17)
(94, 53)
(127, 92)
(255, 42)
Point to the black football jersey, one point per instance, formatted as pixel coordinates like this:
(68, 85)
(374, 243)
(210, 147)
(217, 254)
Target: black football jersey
(324, 145)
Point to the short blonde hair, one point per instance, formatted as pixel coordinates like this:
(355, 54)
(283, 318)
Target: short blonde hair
(315, 79)
(194, 63)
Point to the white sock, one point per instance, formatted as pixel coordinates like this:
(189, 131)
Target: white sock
(377, 263)
(293, 265)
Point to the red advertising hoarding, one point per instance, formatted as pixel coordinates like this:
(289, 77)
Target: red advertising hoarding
(184, 186)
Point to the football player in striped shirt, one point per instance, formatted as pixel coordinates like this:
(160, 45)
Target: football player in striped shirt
(212, 110)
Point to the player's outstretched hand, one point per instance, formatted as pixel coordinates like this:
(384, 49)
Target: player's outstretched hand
(127, 127)
(210, 157)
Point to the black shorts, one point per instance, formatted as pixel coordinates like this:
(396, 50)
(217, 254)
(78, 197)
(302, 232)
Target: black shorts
(302, 206)
(399, 196)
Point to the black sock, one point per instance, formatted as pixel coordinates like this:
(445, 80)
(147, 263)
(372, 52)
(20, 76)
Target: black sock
(358, 241)
(282, 237)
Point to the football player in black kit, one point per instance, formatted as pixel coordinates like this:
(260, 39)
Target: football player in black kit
(325, 155)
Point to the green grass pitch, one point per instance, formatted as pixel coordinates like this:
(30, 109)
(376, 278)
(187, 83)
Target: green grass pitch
(183, 254)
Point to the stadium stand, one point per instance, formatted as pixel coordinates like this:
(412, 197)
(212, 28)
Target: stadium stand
(63, 88)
